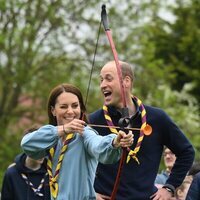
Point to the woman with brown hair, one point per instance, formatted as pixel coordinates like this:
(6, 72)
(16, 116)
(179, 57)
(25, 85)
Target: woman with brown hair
(74, 149)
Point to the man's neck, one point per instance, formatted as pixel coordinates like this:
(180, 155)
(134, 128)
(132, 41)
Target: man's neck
(131, 106)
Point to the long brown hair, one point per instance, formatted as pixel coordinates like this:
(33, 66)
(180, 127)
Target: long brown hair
(55, 92)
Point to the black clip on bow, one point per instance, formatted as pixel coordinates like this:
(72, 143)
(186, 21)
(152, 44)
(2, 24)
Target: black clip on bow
(124, 120)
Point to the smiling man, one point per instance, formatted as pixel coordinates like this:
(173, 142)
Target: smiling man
(140, 170)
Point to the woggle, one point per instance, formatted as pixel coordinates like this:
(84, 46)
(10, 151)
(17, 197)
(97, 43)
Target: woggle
(147, 130)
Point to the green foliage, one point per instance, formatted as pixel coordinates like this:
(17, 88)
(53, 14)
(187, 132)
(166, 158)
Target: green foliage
(178, 44)
(38, 42)
(182, 107)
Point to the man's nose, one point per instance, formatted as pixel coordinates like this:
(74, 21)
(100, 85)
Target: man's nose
(103, 84)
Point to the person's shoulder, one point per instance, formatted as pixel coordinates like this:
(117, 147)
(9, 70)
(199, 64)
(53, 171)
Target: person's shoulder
(11, 165)
(197, 176)
(11, 169)
(196, 180)
(155, 111)
(153, 108)
(95, 114)
(96, 111)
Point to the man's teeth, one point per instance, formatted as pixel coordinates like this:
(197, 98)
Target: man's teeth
(107, 94)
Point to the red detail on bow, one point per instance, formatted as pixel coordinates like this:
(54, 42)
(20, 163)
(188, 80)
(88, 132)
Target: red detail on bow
(125, 109)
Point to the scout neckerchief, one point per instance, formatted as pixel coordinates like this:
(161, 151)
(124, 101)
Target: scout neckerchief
(53, 179)
(132, 153)
(38, 190)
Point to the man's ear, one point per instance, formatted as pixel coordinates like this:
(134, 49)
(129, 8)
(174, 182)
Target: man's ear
(127, 82)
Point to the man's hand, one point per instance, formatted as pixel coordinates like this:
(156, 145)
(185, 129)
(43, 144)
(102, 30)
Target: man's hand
(162, 194)
(102, 197)
(123, 139)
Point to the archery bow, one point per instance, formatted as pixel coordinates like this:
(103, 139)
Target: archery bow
(124, 120)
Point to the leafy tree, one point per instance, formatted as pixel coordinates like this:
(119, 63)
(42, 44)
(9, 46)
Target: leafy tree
(38, 49)
(178, 44)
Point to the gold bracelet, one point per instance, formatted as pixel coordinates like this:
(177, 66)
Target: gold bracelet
(64, 129)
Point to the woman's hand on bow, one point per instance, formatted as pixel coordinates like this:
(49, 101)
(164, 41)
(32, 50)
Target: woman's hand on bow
(75, 126)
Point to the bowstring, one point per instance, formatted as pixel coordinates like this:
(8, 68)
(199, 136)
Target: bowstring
(93, 62)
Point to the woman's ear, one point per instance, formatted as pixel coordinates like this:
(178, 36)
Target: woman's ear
(53, 111)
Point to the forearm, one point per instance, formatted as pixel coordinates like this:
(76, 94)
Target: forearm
(36, 143)
(101, 147)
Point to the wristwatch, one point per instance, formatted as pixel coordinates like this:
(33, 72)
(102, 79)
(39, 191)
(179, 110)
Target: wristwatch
(170, 188)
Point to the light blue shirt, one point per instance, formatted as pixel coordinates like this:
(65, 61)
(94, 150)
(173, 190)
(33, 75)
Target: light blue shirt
(78, 168)
(162, 178)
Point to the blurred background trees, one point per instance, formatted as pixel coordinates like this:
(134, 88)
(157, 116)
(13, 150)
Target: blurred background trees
(47, 42)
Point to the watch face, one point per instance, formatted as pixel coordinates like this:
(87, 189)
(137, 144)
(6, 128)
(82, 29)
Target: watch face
(169, 190)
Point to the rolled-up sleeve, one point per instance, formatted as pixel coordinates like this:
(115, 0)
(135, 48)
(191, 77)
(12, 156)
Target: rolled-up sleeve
(101, 147)
(37, 143)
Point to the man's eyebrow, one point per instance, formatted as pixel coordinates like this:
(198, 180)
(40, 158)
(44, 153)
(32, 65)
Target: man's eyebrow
(106, 75)
(109, 76)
